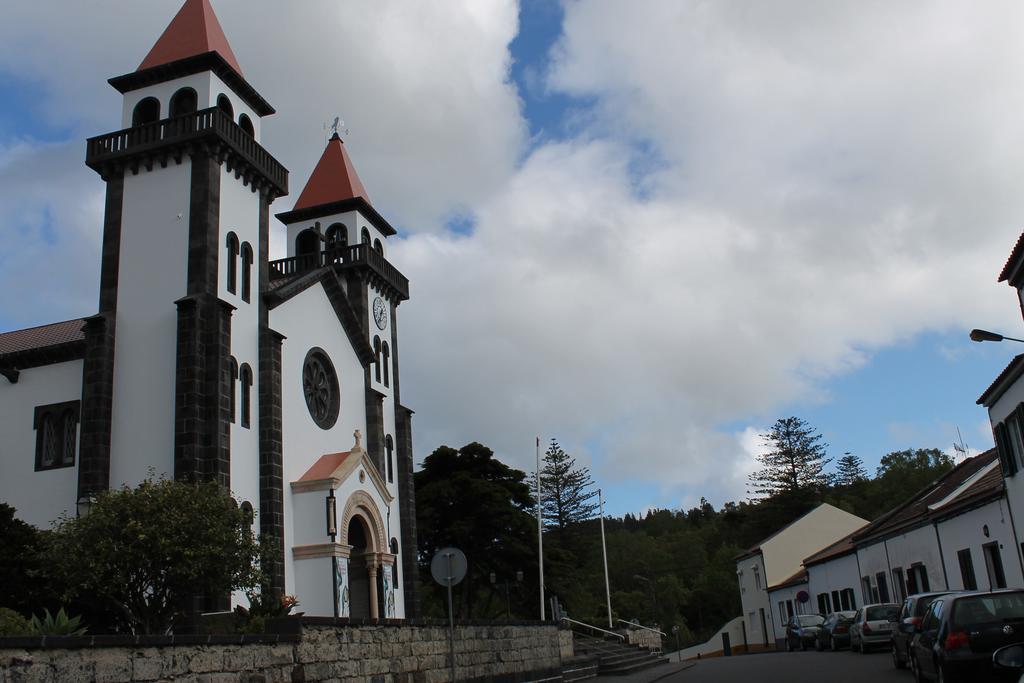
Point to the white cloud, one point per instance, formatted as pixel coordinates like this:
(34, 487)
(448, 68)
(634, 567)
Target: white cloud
(761, 196)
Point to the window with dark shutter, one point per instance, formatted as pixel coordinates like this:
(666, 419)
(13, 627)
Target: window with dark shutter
(56, 428)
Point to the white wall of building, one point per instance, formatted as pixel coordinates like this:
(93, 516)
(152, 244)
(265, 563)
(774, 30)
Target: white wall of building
(788, 596)
(999, 411)
(824, 525)
(755, 602)
(916, 546)
(38, 497)
(239, 213)
(308, 320)
(966, 531)
(152, 274)
(837, 574)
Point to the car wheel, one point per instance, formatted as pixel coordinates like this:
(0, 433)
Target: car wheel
(861, 648)
(896, 661)
(817, 645)
(832, 644)
(916, 669)
(803, 644)
(789, 644)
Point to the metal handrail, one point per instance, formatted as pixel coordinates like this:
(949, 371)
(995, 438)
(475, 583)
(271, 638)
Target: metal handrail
(646, 628)
(594, 628)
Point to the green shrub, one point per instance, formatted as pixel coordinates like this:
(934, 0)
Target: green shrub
(57, 625)
(13, 624)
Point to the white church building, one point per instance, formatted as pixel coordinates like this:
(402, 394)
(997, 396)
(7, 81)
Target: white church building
(207, 360)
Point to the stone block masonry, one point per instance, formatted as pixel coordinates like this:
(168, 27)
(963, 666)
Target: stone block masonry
(320, 650)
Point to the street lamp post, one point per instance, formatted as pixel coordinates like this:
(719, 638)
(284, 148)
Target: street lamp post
(985, 335)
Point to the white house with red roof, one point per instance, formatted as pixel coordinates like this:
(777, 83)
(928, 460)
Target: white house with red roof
(207, 360)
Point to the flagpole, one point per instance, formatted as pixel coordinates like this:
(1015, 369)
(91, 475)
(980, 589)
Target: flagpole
(540, 537)
(604, 552)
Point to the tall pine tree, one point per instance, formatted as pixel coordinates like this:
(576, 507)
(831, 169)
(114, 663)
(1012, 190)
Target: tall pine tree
(849, 471)
(567, 490)
(793, 464)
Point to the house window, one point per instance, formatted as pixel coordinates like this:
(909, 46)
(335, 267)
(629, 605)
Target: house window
(757, 579)
(823, 607)
(994, 565)
(56, 428)
(883, 587)
(231, 245)
(378, 247)
(789, 608)
(389, 446)
(246, 272)
(782, 613)
(865, 587)
(385, 354)
(245, 377)
(967, 569)
(836, 602)
(1007, 438)
(917, 579)
(899, 584)
(849, 599)
(366, 236)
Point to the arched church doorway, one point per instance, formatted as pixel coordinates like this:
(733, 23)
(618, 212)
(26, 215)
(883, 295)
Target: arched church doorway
(358, 571)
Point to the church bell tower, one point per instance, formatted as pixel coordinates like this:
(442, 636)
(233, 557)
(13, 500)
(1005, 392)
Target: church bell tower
(184, 254)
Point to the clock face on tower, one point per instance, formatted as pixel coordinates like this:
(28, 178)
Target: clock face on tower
(380, 313)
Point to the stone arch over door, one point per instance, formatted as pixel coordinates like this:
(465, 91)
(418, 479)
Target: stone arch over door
(362, 529)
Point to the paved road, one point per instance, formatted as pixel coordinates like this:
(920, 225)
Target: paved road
(795, 667)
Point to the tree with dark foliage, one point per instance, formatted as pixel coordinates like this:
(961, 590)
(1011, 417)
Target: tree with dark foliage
(794, 464)
(469, 499)
(849, 471)
(568, 491)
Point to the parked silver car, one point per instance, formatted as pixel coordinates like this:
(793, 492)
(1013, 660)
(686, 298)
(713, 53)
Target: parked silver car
(871, 626)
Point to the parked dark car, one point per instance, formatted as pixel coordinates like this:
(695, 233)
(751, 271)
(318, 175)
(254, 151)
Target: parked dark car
(835, 632)
(907, 624)
(801, 630)
(872, 626)
(960, 632)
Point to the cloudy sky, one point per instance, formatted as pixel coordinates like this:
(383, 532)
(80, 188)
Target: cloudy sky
(647, 229)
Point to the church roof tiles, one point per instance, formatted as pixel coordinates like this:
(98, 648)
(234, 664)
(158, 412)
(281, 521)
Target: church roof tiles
(193, 31)
(333, 180)
(44, 336)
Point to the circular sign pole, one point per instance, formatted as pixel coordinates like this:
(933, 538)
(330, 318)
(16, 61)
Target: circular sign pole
(448, 568)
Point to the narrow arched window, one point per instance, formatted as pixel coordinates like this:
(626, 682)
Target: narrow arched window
(69, 425)
(185, 101)
(378, 246)
(246, 271)
(366, 236)
(250, 515)
(224, 104)
(337, 236)
(146, 111)
(394, 551)
(232, 381)
(245, 123)
(307, 248)
(231, 245)
(385, 354)
(376, 354)
(49, 454)
(245, 378)
(389, 447)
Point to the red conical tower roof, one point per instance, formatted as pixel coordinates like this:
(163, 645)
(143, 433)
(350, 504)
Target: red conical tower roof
(333, 180)
(193, 31)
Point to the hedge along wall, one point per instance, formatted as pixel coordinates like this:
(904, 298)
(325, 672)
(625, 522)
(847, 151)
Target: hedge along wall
(321, 650)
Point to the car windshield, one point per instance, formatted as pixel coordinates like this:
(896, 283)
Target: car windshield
(981, 609)
(882, 612)
(810, 620)
(847, 616)
(922, 604)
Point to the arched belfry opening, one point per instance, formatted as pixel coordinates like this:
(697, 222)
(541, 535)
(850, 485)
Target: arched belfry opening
(359, 576)
(185, 101)
(146, 111)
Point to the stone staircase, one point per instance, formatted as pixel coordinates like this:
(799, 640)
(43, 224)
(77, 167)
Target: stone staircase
(614, 657)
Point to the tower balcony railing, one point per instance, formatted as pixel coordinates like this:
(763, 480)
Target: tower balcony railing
(342, 258)
(213, 123)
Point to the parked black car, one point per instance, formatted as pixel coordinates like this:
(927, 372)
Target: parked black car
(835, 632)
(907, 624)
(801, 630)
(960, 632)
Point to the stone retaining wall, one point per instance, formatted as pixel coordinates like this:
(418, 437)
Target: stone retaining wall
(325, 650)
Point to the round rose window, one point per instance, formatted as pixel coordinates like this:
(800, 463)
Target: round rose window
(320, 386)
